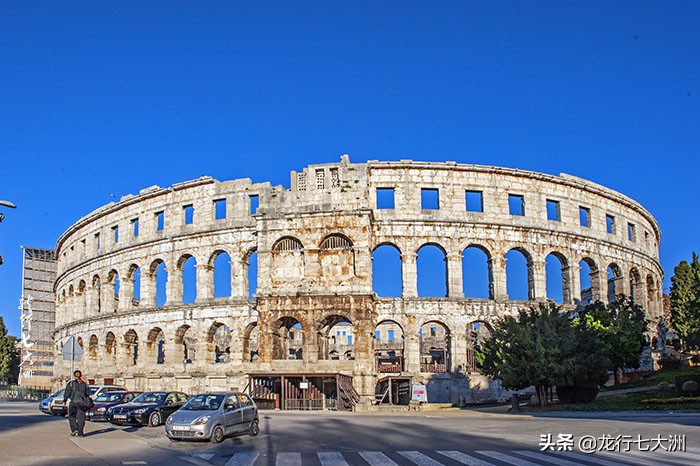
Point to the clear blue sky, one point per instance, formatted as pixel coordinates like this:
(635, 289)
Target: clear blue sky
(111, 97)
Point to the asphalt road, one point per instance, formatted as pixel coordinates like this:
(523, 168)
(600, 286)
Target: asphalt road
(450, 438)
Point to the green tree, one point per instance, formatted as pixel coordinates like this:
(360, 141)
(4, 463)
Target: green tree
(9, 356)
(539, 348)
(685, 303)
(621, 326)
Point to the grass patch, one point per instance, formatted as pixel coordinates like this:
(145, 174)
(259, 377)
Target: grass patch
(640, 401)
(668, 376)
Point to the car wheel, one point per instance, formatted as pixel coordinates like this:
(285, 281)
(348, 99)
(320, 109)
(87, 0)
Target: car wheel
(254, 428)
(154, 419)
(217, 436)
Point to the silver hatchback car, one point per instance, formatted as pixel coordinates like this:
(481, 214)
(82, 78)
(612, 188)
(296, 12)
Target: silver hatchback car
(213, 416)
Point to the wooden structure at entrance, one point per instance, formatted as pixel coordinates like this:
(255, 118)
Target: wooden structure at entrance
(332, 392)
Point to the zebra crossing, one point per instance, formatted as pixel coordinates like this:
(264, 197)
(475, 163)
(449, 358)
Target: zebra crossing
(455, 458)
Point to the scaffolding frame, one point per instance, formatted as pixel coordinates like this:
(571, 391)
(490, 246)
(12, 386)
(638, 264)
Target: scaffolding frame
(38, 317)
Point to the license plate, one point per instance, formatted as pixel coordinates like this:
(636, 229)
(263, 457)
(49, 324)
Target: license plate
(181, 428)
(120, 416)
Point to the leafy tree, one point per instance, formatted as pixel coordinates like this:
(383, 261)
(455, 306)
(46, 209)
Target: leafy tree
(9, 356)
(621, 326)
(685, 303)
(540, 347)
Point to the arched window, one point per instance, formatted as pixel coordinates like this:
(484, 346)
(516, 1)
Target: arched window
(336, 337)
(388, 347)
(287, 339)
(335, 241)
(586, 269)
(251, 273)
(519, 275)
(476, 273)
(614, 282)
(160, 274)
(188, 266)
(386, 271)
(287, 244)
(135, 275)
(557, 282)
(222, 274)
(432, 271)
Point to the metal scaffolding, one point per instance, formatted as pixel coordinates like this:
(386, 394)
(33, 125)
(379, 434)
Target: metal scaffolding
(37, 305)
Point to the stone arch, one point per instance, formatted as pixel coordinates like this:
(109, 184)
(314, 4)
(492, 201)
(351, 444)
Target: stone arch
(336, 337)
(336, 258)
(287, 338)
(389, 346)
(652, 293)
(158, 279)
(387, 275)
(435, 341)
(250, 273)
(558, 283)
(156, 345)
(477, 272)
(636, 287)
(220, 266)
(588, 281)
(478, 331)
(219, 343)
(92, 347)
(288, 261)
(82, 300)
(114, 286)
(185, 344)
(251, 351)
(187, 272)
(96, 301)
(614, 282)
(520, 267)
(131, 347)
(110, 348)
(431, 266)
(134, 274)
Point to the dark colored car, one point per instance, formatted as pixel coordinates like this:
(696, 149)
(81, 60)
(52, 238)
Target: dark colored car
(106, 400)
(147, 409)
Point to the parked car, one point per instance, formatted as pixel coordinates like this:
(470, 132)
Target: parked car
(106, 400)
(56, 405)
(213, 416)
(149, 409)
(45, 404)
(96, 390)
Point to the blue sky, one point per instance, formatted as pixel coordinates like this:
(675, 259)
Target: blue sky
(101, 98)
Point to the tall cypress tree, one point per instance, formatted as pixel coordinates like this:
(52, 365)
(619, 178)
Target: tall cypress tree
(685, 302)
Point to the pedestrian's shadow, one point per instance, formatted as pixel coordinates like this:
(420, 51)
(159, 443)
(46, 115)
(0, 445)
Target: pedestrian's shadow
(99, 431)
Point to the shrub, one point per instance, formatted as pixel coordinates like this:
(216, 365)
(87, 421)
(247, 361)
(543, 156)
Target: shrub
(690, 387)
(664, 386)
(681, 379)
(672, 401)
(577, 393)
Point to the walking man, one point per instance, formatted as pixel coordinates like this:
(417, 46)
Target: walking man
(78, 394)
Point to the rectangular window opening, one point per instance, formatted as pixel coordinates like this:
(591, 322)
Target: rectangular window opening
(189, 214)
(474, 201)
(135, 226)
(610, 223)
(385, 198)
(219, 209)
(553, 212)
(160, 221)
(429, 199)
(98, 243)
(254, 202)
(646, 237)
(391, 335)
(631, 232)
(320, 179)
(584, 216)
(115, 233)
(516, 205)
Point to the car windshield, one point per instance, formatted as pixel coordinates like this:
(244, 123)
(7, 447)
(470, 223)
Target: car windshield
(203, 403)
(150, 398)
(58, 393)
(108, 397)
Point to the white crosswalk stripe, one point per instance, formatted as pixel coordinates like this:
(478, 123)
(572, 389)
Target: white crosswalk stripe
(242, 459)
(331, 458)
(546, 457)
(507, 458)
(288, 459)
(647, 458)
(377, 458)
(592, 458)
(465, 459)
(420, 459)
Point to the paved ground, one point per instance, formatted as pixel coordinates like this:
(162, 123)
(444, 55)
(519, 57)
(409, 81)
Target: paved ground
(448, 438)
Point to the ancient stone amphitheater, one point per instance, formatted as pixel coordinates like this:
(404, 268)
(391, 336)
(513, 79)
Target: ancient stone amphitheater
(219, 285)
